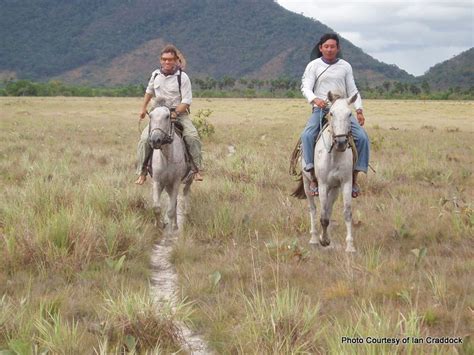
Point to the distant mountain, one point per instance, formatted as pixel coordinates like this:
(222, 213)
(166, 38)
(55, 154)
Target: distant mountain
(109, 42)
(455, 72)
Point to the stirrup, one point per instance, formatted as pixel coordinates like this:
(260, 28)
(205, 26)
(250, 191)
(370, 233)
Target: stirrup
(314, 191)
(188, 177)
(355, 191)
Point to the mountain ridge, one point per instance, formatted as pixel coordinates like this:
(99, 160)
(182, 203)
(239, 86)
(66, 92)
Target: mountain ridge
(116, 42)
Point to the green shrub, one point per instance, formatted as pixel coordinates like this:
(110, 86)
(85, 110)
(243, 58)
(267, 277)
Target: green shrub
(204, 127)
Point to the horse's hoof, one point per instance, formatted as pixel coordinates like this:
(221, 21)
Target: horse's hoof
(313, 240)
(350, 249)
(324, 242)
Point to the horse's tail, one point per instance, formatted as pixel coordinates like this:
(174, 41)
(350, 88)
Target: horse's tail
(299, 191)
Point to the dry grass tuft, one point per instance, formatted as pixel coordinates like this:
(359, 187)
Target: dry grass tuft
(74, 227)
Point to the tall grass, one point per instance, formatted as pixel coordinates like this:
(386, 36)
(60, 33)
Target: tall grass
(281, 324)
(244, 227)
(76, 234)
(134, 321)
(72, 225)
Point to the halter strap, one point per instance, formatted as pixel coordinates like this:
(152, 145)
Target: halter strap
(169, 136)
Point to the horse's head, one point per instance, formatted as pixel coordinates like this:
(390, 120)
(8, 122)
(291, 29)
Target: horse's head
(160, 127)
(340, 120)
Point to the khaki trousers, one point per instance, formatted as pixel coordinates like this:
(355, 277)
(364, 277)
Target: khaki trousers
(190, 136)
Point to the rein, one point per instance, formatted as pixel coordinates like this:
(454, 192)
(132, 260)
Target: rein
(321, 130)
(168, 139)
(347, 135)
(334, 136)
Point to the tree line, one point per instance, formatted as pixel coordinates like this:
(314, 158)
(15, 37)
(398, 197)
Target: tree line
(282, 87)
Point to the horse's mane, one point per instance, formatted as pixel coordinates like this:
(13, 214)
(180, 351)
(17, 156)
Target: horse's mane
(335, 96)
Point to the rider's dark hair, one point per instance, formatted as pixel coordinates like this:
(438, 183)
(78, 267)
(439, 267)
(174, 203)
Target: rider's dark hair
(316, 53)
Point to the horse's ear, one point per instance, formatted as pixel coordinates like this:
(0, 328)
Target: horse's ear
(353, 98)
(330, 96)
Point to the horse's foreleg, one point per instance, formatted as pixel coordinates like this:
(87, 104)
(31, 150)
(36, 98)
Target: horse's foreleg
(186, 198)
(325, 215)
(156, 196)
(312, 216)
(172, 208)
(329, 197)
(347, 198)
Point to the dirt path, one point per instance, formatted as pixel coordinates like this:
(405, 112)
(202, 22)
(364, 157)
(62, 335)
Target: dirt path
(165, 284)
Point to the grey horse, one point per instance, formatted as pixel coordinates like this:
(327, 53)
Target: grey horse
(169, 165)
(333, 170)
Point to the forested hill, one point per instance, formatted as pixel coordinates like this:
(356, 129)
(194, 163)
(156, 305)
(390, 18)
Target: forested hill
(118, 41)
(457, 72)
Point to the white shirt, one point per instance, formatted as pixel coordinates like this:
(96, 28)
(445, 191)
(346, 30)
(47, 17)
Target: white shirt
(338, 78)
(166, 89)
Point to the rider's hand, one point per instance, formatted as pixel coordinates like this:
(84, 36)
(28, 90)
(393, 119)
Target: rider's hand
(319, 103)
(142, 115)
(360, 118)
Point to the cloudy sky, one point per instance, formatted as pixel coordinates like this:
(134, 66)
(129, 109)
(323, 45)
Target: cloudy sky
(413, 34)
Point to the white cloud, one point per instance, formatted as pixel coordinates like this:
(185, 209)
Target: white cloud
(417, 61)
(413, 34)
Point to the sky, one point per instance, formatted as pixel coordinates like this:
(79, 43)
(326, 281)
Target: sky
(412, 34)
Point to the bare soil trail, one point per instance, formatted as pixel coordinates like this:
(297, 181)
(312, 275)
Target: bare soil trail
(165, 283)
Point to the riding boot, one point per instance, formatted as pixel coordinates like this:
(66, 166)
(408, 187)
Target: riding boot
(354, 177)
(312, 175)
(355, 186)
(194, 149)
(146, 161)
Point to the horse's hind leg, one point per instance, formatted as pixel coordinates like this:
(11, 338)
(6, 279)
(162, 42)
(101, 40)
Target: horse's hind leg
(156, 195)
(312, 211)
(347, 198)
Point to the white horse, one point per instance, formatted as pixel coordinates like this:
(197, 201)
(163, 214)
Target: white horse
(169, 164)
(333, 169)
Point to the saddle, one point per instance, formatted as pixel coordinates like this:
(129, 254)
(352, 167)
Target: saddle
(297, 152)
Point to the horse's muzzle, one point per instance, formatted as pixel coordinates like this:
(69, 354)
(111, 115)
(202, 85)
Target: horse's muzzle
(155, 141)
(340, 143)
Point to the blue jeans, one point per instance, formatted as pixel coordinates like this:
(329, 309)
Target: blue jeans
(311, 131)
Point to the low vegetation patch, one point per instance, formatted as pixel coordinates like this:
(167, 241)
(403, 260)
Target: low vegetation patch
(76, 234)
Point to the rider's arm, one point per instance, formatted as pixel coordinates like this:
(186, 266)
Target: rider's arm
(351, 88)
(307, 82)
(182, 108)
(146, 100)
(186, 95)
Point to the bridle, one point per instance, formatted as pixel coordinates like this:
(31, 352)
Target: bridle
(168, 136)
(335, 136)
(347, 136)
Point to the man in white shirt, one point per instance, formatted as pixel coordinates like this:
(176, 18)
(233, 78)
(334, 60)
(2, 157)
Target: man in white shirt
(171, 87)
(324, 74)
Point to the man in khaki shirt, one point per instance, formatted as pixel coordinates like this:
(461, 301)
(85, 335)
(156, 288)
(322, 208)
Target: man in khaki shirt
(171, 87)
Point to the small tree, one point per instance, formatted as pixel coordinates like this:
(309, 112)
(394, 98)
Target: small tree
(202, 124)
(386, 85)
(415, 90)
(425, 87)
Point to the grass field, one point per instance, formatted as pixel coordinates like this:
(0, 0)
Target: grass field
(76, 234)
